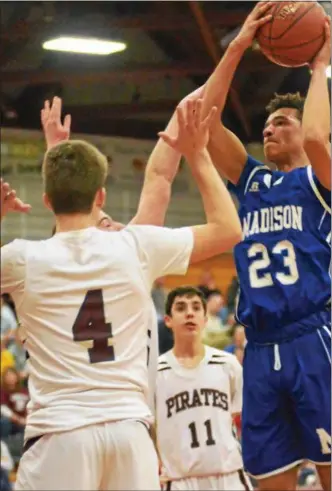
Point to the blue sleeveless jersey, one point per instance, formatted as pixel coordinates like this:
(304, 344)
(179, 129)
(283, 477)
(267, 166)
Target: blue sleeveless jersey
(283, 263)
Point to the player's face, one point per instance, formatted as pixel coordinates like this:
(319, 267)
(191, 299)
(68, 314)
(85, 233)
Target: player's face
(282, 135)
(187, 317)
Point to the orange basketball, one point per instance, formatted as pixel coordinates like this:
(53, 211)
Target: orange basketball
(295, 33)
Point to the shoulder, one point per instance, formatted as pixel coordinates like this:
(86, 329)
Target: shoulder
(164, 361)
(221, 357)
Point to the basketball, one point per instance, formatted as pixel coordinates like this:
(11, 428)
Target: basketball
(295, 33)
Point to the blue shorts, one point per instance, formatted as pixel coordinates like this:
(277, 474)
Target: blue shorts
(287, 406)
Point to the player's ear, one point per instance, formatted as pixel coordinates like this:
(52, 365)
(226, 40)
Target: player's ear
(167, 320)
(100, 198)
(47, 202)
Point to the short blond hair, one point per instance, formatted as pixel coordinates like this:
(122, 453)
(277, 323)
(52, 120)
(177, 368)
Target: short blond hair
(73, 172)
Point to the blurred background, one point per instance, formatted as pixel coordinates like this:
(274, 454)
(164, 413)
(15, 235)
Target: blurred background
(119, 101)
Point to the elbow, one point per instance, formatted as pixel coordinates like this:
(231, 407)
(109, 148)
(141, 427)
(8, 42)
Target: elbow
(314, 139)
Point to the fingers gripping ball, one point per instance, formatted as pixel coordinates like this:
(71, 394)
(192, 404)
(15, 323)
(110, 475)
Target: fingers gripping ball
(295, 33)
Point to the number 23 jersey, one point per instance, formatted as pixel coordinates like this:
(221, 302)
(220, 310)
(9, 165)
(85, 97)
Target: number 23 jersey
(194, 408)
(284, 259)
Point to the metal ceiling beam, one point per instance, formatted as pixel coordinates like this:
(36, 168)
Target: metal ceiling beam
(138, 73)
(149, 22)
(214, 53)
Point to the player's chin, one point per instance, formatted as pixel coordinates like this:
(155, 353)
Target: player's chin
(190, 330)
(271, 151)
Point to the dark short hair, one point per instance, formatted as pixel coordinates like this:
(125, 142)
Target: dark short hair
(292, 101)
(183, 291)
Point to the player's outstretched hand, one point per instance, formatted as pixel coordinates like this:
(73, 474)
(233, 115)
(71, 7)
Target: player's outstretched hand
(323, 57)
(256, 19)
(54, 131)
(193, 132)
(10, 202)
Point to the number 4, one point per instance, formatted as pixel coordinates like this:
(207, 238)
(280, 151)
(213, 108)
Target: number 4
(91, 330)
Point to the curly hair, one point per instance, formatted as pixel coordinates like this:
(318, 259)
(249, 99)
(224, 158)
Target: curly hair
(293, 101)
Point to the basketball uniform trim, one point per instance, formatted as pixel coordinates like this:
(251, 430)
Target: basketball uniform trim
(326, 349)
(243, 480)
(252, 173)
(276, 471)
(316, 190)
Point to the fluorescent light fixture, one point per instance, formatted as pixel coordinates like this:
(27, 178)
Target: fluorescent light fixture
(328, 71)
(89, 46)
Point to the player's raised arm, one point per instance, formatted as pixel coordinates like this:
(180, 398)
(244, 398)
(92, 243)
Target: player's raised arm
(223, 229)
(160, 173)
(316, 115)
(54, 130)
(227, 152)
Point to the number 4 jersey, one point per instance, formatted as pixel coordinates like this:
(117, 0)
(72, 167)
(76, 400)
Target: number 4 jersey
(283, 262)
(84, 301)
(194, 408)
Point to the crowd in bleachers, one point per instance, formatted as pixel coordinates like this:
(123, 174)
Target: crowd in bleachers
(221, 331)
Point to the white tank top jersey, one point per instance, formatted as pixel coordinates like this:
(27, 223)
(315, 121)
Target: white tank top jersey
(84, 300)
(194, 408)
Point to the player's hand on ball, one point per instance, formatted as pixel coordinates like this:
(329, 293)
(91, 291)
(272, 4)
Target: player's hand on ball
(323, 57)
(193, 132)
(256, 19)
(55, 132)
(10, 202)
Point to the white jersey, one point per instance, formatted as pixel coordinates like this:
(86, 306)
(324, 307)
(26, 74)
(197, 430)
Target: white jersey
(84, 300)
(194, 415)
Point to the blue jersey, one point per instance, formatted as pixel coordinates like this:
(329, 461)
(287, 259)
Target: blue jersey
(283, 263)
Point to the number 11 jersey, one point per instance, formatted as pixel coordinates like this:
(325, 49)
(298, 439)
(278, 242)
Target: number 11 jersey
(283, 263)
(194, 408)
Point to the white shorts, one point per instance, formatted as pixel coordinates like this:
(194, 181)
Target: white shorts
(237, 481)
(116, 456)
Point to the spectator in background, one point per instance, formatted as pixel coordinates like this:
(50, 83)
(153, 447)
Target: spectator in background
(6, 359)
(14, 400)
(207, 283)
(7, 465)
(20, 355)
(159, 298)
(239, 353)
(165, 335)
(232, 294)
(238, 339)
(8, 323)
(216, 332)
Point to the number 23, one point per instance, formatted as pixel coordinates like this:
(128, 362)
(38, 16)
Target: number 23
(265, 279)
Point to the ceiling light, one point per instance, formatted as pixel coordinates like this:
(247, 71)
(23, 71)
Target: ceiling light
(328, 71)
(91, 46)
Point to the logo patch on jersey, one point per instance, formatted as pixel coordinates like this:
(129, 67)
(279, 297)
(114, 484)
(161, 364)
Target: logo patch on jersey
(196, 398)
(254, 188)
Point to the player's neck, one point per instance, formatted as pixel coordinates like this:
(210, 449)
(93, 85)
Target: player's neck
(184, 350)
(68, 223)
(290, 162)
